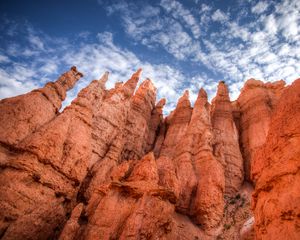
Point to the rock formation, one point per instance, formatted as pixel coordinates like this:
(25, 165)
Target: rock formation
(45, 171)
(276, 171)
(110, 166)
(24, 114)
(226, 140)
(256, 103)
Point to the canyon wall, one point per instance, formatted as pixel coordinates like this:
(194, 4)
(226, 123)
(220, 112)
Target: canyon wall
(110, 166)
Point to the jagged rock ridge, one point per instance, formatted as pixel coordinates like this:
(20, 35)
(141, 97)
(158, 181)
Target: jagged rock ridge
(110, 166)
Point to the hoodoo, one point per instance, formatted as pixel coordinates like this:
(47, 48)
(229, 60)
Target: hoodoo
(111, 166)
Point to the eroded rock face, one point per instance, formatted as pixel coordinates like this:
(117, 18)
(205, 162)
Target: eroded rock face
(110, 166)
(226, 140)
(45, 171)
(137, 126)
(192, 171)
(276, 200)
(256, 103)
(22, 115)
(122, 129)
(176, 146)
(208, 203)
(134, 206)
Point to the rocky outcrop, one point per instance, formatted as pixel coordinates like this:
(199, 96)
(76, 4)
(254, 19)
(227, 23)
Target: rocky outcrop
(226, 140)
(45, 172)
(176, 147)
(134, 206)
(138, 120)
(256, 103)
(155, 125)
(122, 129)
(275, 169)
(22, 115)
(208, 204)
(193, 171)
(177, 123)
(111, 166)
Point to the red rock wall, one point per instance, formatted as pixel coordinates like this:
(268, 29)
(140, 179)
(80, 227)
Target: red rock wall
(276, 171)
(256, 103)
(111, 167)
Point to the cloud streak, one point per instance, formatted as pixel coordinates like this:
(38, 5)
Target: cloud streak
(230, 44)
(200, 45)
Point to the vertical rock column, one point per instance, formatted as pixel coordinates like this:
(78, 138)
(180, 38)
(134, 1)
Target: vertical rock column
(208, 203)
(155, 125)
(226, 140)
(176, 150)
(137, 125)
(109, 135)
(24, 114)
(177, 122)
(46, 170)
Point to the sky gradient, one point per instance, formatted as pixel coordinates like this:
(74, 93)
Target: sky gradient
(179, 44)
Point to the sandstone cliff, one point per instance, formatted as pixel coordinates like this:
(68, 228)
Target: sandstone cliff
(276, 171)
(110, 166)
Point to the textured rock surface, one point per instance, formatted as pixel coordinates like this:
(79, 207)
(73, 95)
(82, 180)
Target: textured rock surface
(45, 171)
(276, 170)
(110, 166)
(24, 114)
(226, 141)
(256, 103)
(187, 164)
(208, 204)
(176, 147)
(137, 125)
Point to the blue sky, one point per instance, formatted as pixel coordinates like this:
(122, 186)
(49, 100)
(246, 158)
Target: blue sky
(179, 44)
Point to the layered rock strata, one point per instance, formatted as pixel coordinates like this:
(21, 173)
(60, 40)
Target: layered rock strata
(110, 166)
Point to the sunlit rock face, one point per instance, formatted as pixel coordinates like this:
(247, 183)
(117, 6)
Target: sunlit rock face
(276, 171)
(256, 104)
(226, 140)
(22, 115)
(111, 166)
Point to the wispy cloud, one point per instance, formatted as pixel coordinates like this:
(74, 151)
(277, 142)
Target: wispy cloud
(238, 48)
(92, 59)
(178, 11)
(260, 7)
(261, 39)
(220, 16)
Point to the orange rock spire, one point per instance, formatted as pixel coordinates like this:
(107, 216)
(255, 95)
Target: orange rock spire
(111, 166)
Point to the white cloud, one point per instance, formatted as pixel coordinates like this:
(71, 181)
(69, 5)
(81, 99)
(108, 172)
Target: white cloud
(36, 42)
(179, 12)
(11, 86)
(219, 16)
(265, 48)
(288, 19)
(4, 59)
(176, 31)
(238, 50)
(271, 25)
(94, 59)
(260, 7)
